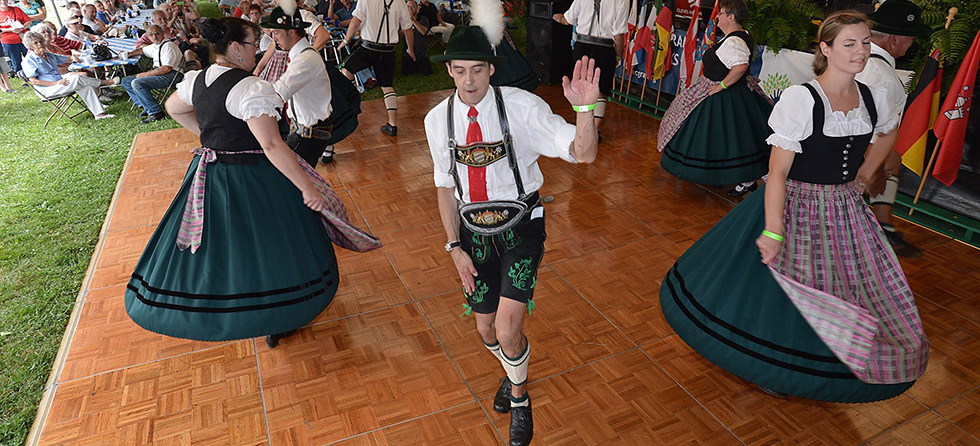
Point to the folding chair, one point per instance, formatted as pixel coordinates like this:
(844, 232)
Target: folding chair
(61, 102)
(434, 39)
(181, 69)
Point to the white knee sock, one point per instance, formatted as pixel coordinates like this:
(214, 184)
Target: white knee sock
(516, 368)
(495, 350)
(391, 103)
(888, 196)
(600, 108)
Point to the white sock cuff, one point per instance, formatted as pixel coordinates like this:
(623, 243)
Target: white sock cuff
(516, 368)
(888, 196)
(600, 108)
(495, 349)
(391, 101)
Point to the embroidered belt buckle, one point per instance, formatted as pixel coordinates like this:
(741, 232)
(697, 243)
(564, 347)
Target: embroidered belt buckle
(492, 217)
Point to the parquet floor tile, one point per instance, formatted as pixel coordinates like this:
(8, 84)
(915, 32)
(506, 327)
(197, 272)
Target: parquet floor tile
(926, 430)
(467, 425)
(391, 362)
(398, 204)
(358, 374)
(564, 330)
(625, 399)
(757, 418)
(963, 411)
(207, 397)
(629, 299)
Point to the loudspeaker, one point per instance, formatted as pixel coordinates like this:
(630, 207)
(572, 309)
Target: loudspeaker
(549, 49)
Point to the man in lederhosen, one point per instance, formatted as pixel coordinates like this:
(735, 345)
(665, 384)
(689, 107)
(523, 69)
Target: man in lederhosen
(487, 178)
(379, 22)
(896, 23)
(304, 86)
(600, 28)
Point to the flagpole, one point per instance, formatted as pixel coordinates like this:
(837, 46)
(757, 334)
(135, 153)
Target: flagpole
(935, 151)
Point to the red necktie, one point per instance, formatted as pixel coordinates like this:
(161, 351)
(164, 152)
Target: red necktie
(477, 175)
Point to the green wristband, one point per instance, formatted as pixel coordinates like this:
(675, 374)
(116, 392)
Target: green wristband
(583, 108)
(723, 86)
(772, 235)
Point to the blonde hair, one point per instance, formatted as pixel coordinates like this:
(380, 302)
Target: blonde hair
(830, 28)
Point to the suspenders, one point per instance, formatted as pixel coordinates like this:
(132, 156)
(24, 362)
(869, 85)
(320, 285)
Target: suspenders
(384, 23)
(508, 144)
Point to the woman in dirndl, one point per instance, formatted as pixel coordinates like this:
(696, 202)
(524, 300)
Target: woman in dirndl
(245, 248)
(832, 317)
(715, 131)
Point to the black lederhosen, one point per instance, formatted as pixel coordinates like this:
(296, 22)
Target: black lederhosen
(383, 63)
(605, 60)
(507, 263)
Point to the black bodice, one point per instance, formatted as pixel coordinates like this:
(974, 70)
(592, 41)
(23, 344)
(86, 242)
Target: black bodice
(714, 69)
(219, 129)
(830, 159)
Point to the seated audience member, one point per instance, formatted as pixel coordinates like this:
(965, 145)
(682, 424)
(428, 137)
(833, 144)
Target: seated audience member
(88, 18)
(55, 43)
(241, 9)
(420, 26)
(34, 9)
(438, 26)
(74, 12)
(447, 15)
(41, 67)
(341, 11)
(265, 39)
(101, 14)
(227, 7)
(77, 33)
(166, 62)
(193, 52)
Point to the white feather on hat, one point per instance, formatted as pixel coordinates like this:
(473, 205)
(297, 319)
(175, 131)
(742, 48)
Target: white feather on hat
(288, 6)
(488, 15)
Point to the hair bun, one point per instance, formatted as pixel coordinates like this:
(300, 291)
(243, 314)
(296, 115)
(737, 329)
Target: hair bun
(212, 30)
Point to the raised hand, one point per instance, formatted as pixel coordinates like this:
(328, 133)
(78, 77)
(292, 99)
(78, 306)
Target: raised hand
(583, 88)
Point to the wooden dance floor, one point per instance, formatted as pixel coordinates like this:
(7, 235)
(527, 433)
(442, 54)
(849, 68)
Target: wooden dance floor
(391, 362)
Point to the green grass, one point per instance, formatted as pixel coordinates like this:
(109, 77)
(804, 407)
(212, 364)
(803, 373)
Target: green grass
(56, 186)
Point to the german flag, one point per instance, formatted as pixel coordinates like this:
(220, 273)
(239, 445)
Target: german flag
(920, 115)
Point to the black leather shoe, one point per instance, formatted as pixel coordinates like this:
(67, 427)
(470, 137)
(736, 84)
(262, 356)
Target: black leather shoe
(327, 156)
(142, 114)
(521, 426)
(501, 401)
(272, 341)
(901, 247)
(389, 129)
(154, 118)
(740, 190)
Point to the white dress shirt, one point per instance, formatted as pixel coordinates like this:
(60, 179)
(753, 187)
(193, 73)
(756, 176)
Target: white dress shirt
(249, 98)
(612, 18)
(371, 13)
(535, 129)
(792, 117)
(165, 53)
(881, 74)
(314, 22)
(305, 85)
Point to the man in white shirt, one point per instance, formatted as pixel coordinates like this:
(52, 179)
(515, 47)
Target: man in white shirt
(600, 28)
(167, 60)
(379, 22)
(897, 22)
(304, 86)
(491, 212)
(89, 19)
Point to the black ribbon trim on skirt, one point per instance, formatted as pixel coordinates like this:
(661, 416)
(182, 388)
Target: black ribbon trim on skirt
(683, 160)
(185, 295)
(801, 354)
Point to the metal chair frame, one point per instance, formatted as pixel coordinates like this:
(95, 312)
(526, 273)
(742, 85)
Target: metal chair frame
(62, 103)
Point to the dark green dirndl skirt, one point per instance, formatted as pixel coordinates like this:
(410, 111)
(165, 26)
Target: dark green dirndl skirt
(724, 303)
(723, 140)
(265, 265)
(345, 105)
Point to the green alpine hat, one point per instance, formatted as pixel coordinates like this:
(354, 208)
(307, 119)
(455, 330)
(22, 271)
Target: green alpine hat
(901, 18)
(280, 20)
(469, 43)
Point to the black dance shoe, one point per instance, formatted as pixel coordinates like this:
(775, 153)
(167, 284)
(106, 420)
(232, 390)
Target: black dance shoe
(901, 247)
(740, 190)
(389, 129)
(501, 401)
(272, 341)
(327, 156)
(521, 426)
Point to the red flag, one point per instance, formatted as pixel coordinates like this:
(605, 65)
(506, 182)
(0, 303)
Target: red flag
(951, 125)
(709, 36)
(644, 41)
(921, 110)
(690, 46)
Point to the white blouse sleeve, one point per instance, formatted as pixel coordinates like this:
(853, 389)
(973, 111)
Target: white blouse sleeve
(792, 119)
(888, 115)
(253, 97)
(185, 89)
(733, 51)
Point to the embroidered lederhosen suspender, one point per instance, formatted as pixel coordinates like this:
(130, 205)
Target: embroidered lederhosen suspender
(496, 216)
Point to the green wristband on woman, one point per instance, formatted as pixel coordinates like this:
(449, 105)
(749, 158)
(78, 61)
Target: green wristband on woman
(773, 235)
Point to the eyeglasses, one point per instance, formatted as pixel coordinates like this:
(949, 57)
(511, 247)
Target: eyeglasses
(250, 43)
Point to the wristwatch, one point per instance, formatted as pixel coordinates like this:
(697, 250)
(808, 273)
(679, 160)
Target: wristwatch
(451, 245)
